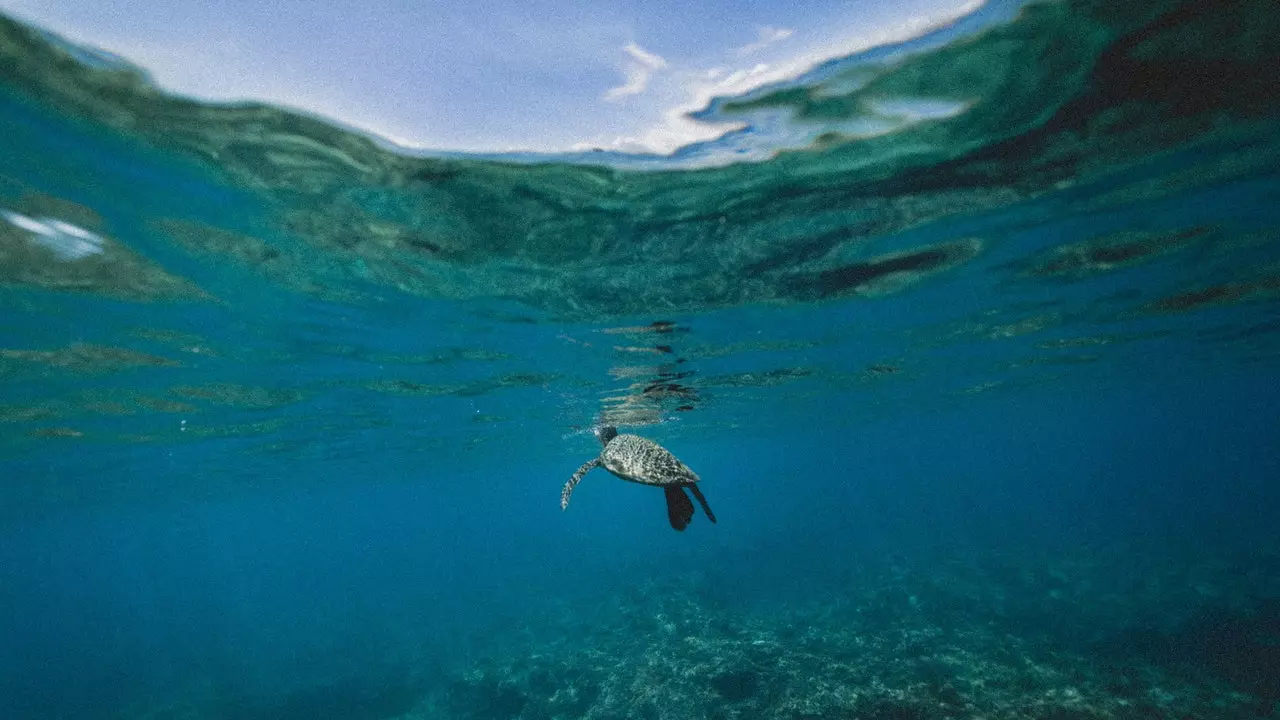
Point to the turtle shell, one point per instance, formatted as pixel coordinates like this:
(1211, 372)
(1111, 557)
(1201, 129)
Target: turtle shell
(638, 459)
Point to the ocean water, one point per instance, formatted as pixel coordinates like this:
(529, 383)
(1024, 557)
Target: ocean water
(973, 342)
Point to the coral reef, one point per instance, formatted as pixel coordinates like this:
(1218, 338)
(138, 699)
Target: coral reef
(996, 639)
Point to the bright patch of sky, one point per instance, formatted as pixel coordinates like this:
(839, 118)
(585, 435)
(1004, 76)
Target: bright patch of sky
(487, 75)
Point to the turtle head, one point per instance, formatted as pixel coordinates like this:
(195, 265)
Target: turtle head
(605, 433)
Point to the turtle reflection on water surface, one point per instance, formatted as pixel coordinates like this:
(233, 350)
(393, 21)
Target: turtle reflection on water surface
(643, 461)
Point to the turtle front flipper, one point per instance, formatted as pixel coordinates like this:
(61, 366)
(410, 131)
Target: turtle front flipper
(679, 508)
(577, 478)
(703, 502)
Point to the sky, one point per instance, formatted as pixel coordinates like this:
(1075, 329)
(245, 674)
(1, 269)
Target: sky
(487, 75)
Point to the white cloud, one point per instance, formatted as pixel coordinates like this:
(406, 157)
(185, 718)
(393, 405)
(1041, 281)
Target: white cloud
(766, 36)
(644, 57)
(640, 67)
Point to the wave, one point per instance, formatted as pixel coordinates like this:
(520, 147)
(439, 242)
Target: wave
(854, 166)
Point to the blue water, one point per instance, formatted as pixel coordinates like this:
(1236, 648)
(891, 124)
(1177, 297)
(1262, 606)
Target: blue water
(985, 405)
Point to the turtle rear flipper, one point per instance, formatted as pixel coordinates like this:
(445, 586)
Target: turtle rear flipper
(703, 502)
(679, 508)
(587, 467)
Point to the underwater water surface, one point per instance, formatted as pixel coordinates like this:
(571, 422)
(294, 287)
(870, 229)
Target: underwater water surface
(972, 340)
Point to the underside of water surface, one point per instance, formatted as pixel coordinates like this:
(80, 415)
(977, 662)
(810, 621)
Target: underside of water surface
(973, 341)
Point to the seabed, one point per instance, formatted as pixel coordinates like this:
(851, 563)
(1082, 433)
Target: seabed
(1089, 636)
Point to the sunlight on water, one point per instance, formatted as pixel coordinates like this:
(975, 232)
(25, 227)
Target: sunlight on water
(66, 241)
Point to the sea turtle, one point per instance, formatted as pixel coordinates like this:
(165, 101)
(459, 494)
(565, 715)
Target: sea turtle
(643, 461)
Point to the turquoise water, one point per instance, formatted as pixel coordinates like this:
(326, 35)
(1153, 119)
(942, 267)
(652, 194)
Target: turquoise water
(973, 342)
